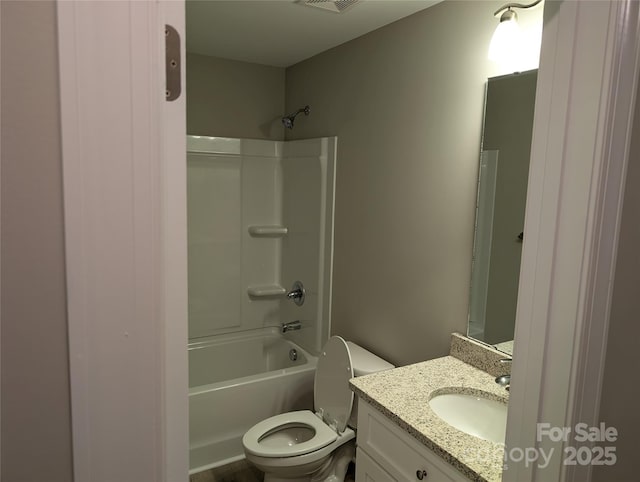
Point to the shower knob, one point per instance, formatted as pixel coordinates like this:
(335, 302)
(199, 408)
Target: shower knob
(297, 293)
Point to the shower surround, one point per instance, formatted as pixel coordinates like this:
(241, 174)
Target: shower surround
(260, 217)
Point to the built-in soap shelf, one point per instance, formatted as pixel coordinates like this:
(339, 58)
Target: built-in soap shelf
(268, 231)
(261, 291)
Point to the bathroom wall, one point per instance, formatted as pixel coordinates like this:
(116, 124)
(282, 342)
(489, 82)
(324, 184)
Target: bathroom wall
(620, 390)
(406, 102)
(238, 274)
(36, 422)
(308, 211)
(227, 98)
(228, 191)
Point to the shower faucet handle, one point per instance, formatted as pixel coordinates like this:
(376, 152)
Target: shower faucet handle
(297, 293)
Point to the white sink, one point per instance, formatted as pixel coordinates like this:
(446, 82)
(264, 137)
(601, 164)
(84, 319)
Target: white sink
(477, 416)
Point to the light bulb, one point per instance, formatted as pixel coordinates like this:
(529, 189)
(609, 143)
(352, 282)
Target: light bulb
(505, 43)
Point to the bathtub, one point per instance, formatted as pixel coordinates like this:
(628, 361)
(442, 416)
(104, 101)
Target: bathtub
(237, 380)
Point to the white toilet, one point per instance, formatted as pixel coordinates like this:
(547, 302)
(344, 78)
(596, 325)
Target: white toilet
(305, 446)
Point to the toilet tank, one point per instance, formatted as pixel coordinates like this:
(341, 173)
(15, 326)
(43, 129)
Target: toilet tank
(364, 363)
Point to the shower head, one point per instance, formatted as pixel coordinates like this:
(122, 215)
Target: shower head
(287, 121)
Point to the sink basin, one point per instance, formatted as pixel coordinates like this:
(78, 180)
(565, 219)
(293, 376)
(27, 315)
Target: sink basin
(477, 416)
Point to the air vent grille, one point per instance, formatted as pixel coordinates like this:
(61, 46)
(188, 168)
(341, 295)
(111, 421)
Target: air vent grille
(336, 6)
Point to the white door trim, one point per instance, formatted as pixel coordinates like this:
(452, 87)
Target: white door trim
(174, 240)
(125, 224)
(586, 93)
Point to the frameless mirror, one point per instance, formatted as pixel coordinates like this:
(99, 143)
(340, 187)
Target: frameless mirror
(502, 192)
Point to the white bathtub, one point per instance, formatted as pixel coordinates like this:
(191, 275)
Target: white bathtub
(235, 381)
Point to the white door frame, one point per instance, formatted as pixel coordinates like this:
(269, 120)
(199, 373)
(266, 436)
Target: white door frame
(584, 112)
(124, 189)
(124, 163)
(174, 256)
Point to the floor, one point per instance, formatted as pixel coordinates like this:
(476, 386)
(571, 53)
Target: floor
(244, 472)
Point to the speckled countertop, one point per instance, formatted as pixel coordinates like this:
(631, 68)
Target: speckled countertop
(402, 394)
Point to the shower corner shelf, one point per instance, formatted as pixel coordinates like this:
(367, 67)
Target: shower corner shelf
(262, 291)
(268, 230)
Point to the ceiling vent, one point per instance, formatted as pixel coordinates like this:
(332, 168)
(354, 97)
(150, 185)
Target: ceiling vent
(336, 6)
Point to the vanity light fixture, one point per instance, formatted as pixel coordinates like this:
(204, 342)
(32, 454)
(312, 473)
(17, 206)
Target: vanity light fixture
(506, 38)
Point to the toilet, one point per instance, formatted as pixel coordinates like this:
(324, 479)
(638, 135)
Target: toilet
(306, 446)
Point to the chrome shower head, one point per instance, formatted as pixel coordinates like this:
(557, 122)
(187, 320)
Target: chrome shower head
(287, 121)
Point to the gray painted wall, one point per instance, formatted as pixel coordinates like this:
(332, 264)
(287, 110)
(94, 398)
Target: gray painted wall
(36, 424)
(621, 391)
(406, 102)
(227, 98)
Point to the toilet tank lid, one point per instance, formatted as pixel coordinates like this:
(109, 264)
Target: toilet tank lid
(364, 362)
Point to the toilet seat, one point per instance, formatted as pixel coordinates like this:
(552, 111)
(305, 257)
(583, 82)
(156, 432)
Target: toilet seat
(332, 396)
(323, 436)
(303, 439)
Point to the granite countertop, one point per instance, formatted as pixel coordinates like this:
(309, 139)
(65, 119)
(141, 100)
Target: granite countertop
(402, 394)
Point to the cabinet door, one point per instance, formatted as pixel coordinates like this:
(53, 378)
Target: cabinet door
(399, 454)
(369, 471)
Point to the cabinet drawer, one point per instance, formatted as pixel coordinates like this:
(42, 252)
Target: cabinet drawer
(397, 452)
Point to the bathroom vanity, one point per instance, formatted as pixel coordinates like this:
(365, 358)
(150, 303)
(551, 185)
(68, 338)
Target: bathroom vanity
(386, 453)
(401, 438)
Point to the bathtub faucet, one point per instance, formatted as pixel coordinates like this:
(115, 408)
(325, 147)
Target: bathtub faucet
(291, 326)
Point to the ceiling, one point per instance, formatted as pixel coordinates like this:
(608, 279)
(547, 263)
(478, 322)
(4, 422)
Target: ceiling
(284, 32)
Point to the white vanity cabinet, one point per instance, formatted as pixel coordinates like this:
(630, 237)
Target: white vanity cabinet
(386, 453)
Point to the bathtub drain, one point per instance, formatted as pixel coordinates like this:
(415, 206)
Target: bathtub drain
(293, 354)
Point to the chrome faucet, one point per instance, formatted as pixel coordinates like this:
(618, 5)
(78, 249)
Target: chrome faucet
(504, 380)
(291, 326)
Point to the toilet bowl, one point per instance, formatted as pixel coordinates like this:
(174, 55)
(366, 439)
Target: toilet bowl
(306, 446)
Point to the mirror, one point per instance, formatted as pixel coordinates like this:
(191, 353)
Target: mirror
(500, 207)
